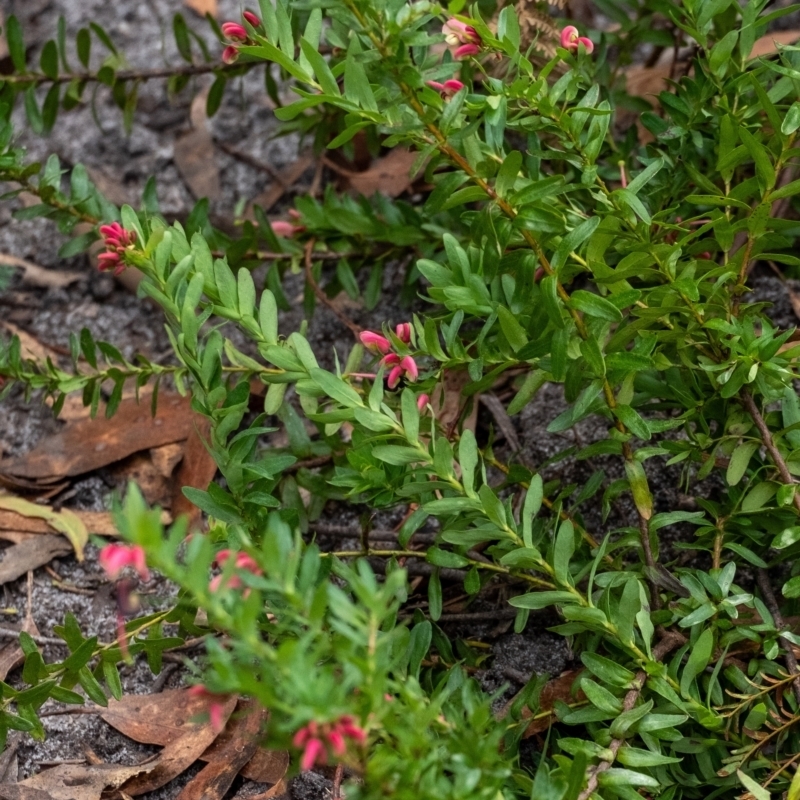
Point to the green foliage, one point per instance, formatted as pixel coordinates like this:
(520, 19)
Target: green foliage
(551, 248)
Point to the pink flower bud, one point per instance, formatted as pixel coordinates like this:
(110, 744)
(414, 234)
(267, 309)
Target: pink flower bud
(465, 51)
(439, 87)
(229, 55)
(114, 558)
(403, 332)
(216, 705)
(282, 228)
(234, 32)
(422, 401)
(452, 86)
(390, 360)
(215, 711)
(315, 751)
(409, 366)
(374, 342)
(108, 260)
(336, 741)
(246, 562)
(250, 17)
(570, 39)
(394, 376)
(353, 731)
(458, 32)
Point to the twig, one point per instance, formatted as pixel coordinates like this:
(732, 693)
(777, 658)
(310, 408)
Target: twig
(337, 782)
(322, 297)
(475, 616)
(668, 643)
(766, 438)
(762, 576)
(246, 158)
(7, 633)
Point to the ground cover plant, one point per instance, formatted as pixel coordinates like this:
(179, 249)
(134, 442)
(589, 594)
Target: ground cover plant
(551, 244)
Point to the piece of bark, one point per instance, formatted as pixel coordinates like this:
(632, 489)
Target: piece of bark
(287, 178)
(214, 780)
(163, 718)
(16, 791)
(178, 756)
(90, 444)
(83, 781)
(31, 554)
(197, 470)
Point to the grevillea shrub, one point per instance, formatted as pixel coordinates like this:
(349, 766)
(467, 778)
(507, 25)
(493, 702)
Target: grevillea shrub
(553, 246)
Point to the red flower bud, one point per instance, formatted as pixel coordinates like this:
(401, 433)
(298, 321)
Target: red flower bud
(374, 342)
(230, 54)
(250, 17)
(403, 332)
(234, 32)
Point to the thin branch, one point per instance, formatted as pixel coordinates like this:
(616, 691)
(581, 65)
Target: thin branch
(764, 584)
(666, 645)
(766, 438)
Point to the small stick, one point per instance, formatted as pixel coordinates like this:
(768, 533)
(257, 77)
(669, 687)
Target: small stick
(764, 584)
(337, 782)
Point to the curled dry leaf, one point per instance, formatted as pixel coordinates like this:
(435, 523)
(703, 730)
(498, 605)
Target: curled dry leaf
(34, 275)
(66, 522)
(31, 554)
(165, 717)
(194, 154)
(197, 470)
(389, 175)
(177, 756)
(82, 781)
(90, 444)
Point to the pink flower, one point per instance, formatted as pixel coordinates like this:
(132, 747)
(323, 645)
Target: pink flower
(282, 228)
(570, 39)
(314, 752)
(229, 54)
(114, 558)
(390, 360)
(250, 17)
(216, 705)
(403, 332)
(116, 236)
(409, 366)
(457, 32)
(374, 342)
(422, 401)
(448, 88)
(242, 561)
(465, 51)
(234, 32)
(349, 728)
(394, 377)
(337, 743)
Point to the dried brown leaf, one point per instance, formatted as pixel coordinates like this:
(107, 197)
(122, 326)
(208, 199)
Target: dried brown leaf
(559, 688)
(30, 346)
(766, 45)
(448, 402)
(285, 180)
(31, 554)
(178, 755)
(163, 718)
(34, 275)
(202, 7)
(90, 444)
(389, 175)
(194, 154)
(82, 781)
(214, 780)
(197, 470)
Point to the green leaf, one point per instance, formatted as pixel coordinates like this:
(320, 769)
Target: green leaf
(84, 45)
(410, 415)
(435, 595)
(321, 69)
(534, 381)
(468, 458)
(336, 388)
(699, 656)
(549, 286)
(595, 306)
(537, 600)
(397, 455)
(737, 466)
(600, 697)
(764, 169)
(508, 173)
(445, 558)
(615, 777)
(533, 502)
(16, 45)
(607, 670)
(755, 788)
(48, 61)
(511, 328)
(182, 40)
(632, 421)
(563, 549)
(639, 488)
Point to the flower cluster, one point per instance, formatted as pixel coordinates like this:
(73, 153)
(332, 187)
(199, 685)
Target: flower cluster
(401, 366)
(571, 40)
(237, 34)
(463, 39)
(448, 88)
(318, 740)
(241, 560)
(216, 705)
(117, 240)
(114, 558)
